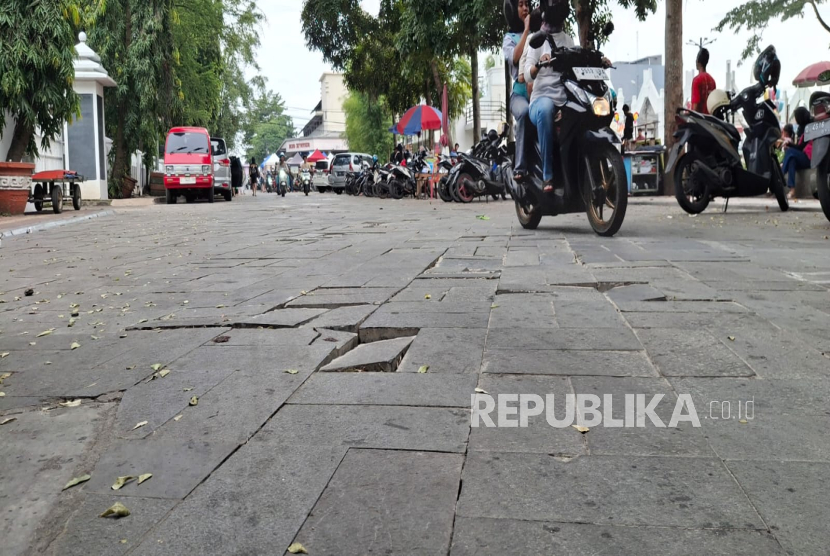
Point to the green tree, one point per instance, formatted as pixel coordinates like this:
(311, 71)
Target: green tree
(755, 16)
(266, 126)
(367, 125)
(37, 48)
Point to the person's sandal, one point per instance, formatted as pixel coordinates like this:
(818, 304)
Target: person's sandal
(548, 188)
(519, 175)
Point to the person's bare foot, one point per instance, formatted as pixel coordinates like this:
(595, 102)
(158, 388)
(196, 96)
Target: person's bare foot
(548, 186)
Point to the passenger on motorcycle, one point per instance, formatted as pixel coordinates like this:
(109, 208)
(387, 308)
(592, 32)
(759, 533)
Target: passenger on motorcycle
(283, 167)
(517, 14)
(548, 90)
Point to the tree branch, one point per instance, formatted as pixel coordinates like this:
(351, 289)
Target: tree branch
(818, 16)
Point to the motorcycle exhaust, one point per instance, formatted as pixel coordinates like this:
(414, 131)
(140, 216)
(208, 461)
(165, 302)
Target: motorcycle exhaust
(709, 173)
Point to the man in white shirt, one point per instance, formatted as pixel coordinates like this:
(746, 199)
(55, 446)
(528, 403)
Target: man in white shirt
(548, 90)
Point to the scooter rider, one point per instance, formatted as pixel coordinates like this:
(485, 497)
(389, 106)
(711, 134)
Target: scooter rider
(548, 90)
(517, 14)
(283, 167)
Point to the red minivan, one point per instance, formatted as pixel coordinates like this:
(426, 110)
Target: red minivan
(188, 164)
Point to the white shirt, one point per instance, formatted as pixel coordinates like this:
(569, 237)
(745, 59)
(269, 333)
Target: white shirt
(547, 82)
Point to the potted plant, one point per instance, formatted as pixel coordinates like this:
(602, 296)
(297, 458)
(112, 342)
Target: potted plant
(39, 91)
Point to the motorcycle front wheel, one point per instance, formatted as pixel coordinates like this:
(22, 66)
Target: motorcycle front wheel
(604, 189)
(442, 190)
(779, 187)
(396, 189)
(529, 217)
(691, 196)
(823, 188)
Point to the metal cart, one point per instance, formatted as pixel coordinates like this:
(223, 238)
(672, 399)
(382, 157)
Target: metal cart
(55, 186)
(646, 171)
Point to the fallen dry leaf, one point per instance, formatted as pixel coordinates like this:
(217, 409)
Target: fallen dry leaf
(481, 391)
(177, 417)
(144, 477)
(121, 481)
(139, 425)
(221, 339)
(423, 369)
(75, 345)
(7, 420)
(2, 394)
(116, 511)
(77, 481)
(297, 548)
(46, 332)
(156, 366)
(427, 296)
(163, 373)
(194, 400)
(292, 371)
(731, 338)
(188, 389)
(742, 421)
(581, 429)
(4, 355)
(73, 403)
(494, 306)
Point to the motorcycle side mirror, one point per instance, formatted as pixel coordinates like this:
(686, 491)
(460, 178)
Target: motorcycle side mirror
(537, 39)
(608, 29)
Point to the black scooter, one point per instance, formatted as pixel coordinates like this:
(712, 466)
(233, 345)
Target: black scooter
(705, 162)
(589, 171)
(819, 133)
(484, 172)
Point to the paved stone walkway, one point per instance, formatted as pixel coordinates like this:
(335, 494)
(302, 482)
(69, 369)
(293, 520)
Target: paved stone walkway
(296, 332)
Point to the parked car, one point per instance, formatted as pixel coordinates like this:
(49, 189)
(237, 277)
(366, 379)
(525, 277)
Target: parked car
(188, 165)
(342, 165)
(320, 176)
(221, 168)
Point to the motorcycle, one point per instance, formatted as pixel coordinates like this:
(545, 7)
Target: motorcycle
(486, 171)
(819, 133)
(443, 184)
(283, 182)
(305, 179)
(401, 180)
(706, 163)
(589, 171)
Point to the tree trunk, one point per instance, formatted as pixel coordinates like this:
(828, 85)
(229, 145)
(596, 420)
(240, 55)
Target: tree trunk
(584, 13)
(476, 105)
(119, 165)
(20, 141)
(674, 76)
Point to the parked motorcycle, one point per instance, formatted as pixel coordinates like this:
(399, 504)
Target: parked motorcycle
(819, 133)
(705, 161)
(589, 175)
(486, 171)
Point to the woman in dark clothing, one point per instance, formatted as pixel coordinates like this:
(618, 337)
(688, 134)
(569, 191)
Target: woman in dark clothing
(628, 132)
(253, 173)
(797, 154)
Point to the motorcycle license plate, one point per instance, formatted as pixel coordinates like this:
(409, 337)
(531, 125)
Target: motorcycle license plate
(187, 181)
(816, 130)
(590, 74)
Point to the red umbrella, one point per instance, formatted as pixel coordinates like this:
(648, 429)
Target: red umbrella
(815, 74)
(419, 118)
(316, 156)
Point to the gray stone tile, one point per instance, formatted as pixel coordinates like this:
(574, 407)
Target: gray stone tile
(254, 504)
(382, 356)
(383, 428)
(384, 326)
(339, 297)
(610, 339)
(268, 337)
(784, 422)
(411, 389)
(632, 491)
(281, 318)
(649, 440)
(86, 533)
(538, 436)
(635, 293)
(567, 363)
(683, 352)
(485, 536)
(791, 497)
(523, 311)
(177, 466)
(344, 318)
(378, 502)
(446, 350)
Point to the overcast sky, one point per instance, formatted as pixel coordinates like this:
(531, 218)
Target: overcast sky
(293, 71)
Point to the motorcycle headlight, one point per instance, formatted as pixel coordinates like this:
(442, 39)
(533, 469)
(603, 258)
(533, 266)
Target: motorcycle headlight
(601, 107)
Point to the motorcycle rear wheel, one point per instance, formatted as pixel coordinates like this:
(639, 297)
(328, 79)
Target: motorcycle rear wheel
(693, 201)
(530, 217)
(396, 189)
(465, 193)
(604, 167)
(443, 191)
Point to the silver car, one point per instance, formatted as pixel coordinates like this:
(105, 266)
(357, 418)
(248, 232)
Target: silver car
(221, 168)
(342, 165)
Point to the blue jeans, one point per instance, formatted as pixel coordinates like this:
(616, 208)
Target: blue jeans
(543, 114)
(794, 160)
(519, 108)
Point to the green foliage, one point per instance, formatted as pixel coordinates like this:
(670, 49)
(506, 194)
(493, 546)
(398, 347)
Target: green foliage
(266, 126)
(37, 41)
(755, 16)
(367, 125)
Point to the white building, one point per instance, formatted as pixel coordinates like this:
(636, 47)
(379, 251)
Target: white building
(326, 129)
(492, 107)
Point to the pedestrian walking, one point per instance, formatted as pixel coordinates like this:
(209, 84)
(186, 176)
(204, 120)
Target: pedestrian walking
(253, 173)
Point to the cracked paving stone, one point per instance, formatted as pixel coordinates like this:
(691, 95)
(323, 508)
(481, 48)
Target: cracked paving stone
(683, 352)
(347, 319)
(383, 356)
(445, 351)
